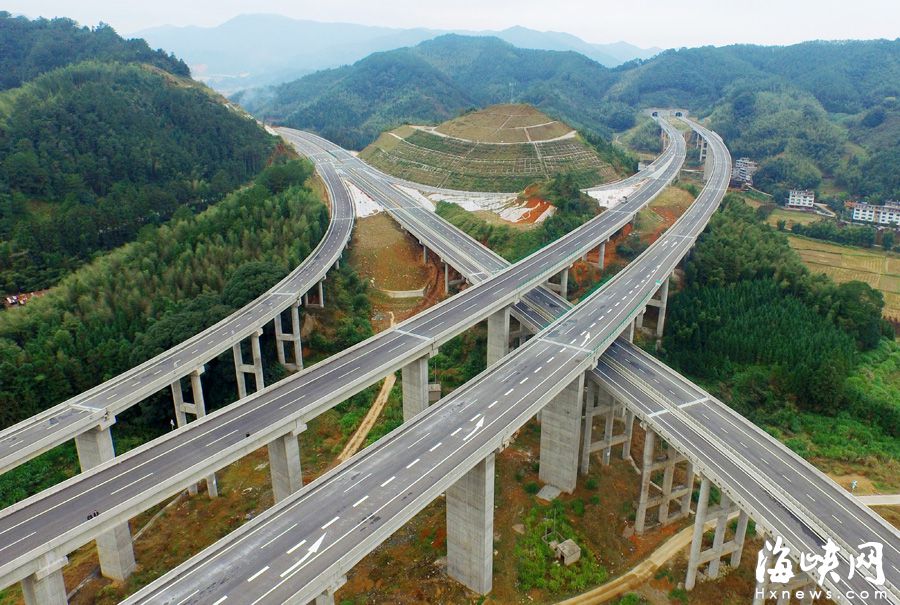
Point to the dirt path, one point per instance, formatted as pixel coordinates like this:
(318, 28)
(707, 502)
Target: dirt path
(359, 437)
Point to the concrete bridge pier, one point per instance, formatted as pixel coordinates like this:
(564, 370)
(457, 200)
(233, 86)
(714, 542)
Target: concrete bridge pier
(320, 291)
(114, 548)
(414, 383)
(293, 337)
(598, 402)
(601, 258)
(446, 278)
(562, 288)
(424, 254)
(470, 527)
(284, 463)
(664, 493)
(241, 368)
(498, 336)
(560, 427)
(783, 592)
(720, 548)
(198, 409)
(46, 586)
(660, 301)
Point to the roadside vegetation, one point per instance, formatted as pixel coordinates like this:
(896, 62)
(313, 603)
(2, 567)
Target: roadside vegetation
(100, 137)
(177, 279)
(810, 360)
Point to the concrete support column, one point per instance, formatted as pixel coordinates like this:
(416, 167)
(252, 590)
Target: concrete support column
(668, 478)
(639, 320)
(564, 283)
(46, 586)
(640, 517)
(740, 535)
(424, 254)
(498, 336)
(470, 527)
(601, 259)
(293, 337)
(629, 433)
(719, 536)
(446, 278)
(560, 421)
(241, 368)
(322, 293)
(284, 464)
(114, 547)
(587, 431)
(414, 382)
(664, 300)
(609, 420)
(697, 540)
(198, 409)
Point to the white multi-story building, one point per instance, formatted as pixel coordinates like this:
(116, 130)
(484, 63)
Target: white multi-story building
(802, 198)
(743, 171)
(888, 214)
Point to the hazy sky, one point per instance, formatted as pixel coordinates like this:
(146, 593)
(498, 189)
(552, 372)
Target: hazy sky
(665, 23)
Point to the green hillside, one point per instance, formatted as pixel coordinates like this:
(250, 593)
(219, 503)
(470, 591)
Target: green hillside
(93, 151)
(813, 114)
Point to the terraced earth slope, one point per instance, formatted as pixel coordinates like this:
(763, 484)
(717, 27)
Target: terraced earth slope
(500, 148)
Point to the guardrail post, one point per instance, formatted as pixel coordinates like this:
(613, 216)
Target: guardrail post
(198, 409)
(470, 527)
(46, 586)
(414, 383)
(240, 368)
(284, 463)
(293, 337)
(559, 437)
(498, 335)
(114, 547)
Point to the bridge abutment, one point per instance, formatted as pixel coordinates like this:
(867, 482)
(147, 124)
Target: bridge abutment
(470, 527)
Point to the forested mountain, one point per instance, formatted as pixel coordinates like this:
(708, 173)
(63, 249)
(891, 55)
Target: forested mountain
(808, 112)
(433, 82)
(30, 48)
(92, 151)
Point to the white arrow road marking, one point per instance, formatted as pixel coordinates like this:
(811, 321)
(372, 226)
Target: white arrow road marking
(477, 428)
(586, 338)
(312, 550)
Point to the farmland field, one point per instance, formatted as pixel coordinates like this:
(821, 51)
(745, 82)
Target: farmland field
(879, 269)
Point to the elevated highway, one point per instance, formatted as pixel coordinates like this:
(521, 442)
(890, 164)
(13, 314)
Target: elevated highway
(38, 532)
(301, 549)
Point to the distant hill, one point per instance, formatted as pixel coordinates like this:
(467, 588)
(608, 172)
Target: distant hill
(30, 48)
(435, 81)
(92, 151)
(817, 114)
(261, 49)
(500, 148)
